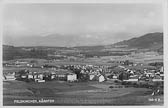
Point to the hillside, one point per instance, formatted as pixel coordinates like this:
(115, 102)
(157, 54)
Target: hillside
(11, 52)
(148, 42)
(153, 41)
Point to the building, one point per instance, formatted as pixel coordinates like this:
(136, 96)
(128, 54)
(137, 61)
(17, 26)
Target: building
(115, 76)
(40, 76)
(9, 76)
(161, 69)
(123, 76)
(39, 80)
(101, 78)
(92, 77)
(30, 76)
(71, 77)
(63, 75)
(157, 78)
(132, 78)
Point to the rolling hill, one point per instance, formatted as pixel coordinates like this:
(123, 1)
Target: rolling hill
(153, 41)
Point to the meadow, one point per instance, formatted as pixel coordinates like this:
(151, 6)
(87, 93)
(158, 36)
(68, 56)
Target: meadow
(77, 93)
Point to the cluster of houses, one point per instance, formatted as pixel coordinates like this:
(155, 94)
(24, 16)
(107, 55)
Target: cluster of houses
(89, 72)
(147, 75)
(72, 73)
(41, 75)
(18, 64)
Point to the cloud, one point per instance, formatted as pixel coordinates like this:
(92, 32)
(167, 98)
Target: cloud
(15, 27)
(87, 20)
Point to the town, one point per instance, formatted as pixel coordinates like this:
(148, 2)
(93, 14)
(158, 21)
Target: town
(28, 72)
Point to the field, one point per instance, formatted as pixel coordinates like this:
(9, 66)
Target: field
(81, 93)
(146, 57)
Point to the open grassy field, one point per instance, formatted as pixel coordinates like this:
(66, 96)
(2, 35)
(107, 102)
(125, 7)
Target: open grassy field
(146, 57)
(81, 93)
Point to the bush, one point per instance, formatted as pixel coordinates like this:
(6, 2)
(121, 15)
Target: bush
(116, 81)
(124, 83)
(111, 87)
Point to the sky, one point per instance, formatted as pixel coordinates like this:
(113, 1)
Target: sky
(103, 23)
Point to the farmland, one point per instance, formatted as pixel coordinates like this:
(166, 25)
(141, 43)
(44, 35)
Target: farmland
(64, 93)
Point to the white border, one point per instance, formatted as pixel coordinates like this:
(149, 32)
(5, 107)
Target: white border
(82, 1)
(165, 22)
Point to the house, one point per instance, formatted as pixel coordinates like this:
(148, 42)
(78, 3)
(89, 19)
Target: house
(131, 72)
(47, 75)
(61, 74)
(123, 76)
(92, 76)
(53, 76)
(161, 69)
(40, 76)
(115, 76)
(30, 76)
(9, 76)
(71, 77)
(23, 76)
(157, 78)
(162, 75)
(21, 63)
(4, 78)
(35, 76)
(101, 78)
(39, 80)
(149, 74)
(132, 78)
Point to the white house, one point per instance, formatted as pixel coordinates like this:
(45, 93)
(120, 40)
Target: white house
(71, 77)
(101, 78)
(40, 76)
(114, 76)
(131, 80)
(40, 81)
(52, 76)
(24, 76)
(35, 76)
(161, 69)
(10, 76)
(30, 76)
(91, 76)
(157, 78)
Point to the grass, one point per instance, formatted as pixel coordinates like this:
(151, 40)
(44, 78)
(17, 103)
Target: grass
(64, 93)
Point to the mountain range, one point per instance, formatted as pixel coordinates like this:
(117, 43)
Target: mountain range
(149, 42)
(152, 41)
(67, 40)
